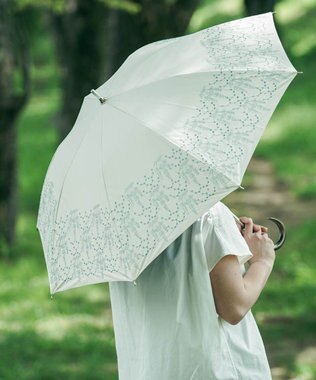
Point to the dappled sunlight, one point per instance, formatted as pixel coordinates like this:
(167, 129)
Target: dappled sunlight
(301, 358)
(10, 326)
(40, 105)
(206, 14)
(305, 273)
(304, 362)
(26, 311)
(279, 373)
(289, 119)
(26, 224)
(99, 294)
(57, 327)
(292, 10)
(96, 293)
(305, 45)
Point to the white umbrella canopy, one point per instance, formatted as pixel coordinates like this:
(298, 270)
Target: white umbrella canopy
(177, 127)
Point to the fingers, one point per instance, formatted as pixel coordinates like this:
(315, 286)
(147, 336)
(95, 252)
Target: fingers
(259, 228)
(264, 230)
(248, 225)
(258, 241)
(255, 227)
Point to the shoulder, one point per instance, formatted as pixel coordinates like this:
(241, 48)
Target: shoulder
(219, 208)
(218, 213)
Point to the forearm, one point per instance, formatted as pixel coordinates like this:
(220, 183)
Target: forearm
(261, 263)
(254, 281)
(235, 294)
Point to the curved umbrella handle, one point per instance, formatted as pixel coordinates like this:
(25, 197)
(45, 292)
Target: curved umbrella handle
(281, 228)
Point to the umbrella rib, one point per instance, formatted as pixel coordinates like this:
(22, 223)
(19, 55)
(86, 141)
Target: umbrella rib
(147, 127)
(69, 166)
(254, 71)
(104, 183)
(172, 143)
(124, 66)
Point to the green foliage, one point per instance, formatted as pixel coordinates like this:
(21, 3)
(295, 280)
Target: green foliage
(123, 5)
(287, 306)
(57, 6)
(61, 6)
(5, 250)
(290, 139)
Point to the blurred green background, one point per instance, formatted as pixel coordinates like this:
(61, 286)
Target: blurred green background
(71, 335)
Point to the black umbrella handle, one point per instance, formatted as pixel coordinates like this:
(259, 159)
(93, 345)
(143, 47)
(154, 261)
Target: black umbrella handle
(282, 231)
(278, 244)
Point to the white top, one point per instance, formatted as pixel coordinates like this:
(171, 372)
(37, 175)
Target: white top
(166, 326)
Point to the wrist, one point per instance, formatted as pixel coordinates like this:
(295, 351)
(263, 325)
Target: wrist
(267, 262)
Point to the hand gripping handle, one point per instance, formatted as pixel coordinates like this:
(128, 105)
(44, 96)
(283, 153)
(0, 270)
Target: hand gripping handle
(278, 244)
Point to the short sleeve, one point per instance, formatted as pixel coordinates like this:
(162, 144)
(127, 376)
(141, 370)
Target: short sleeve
(222, 237)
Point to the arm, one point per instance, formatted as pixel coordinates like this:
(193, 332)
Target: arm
(234, 295)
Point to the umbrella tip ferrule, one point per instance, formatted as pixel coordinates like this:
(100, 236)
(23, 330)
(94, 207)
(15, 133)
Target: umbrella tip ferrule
(299, 72)
(102, 99)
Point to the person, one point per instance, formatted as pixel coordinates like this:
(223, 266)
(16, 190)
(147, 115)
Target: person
(189, 315)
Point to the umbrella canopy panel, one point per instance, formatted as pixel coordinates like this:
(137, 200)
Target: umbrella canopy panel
(247, 44)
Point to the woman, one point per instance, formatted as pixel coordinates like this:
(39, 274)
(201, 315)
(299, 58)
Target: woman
(189, 315)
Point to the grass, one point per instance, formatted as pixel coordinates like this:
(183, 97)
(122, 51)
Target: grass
(71, 335)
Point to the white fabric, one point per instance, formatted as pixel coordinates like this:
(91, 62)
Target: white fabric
(166, 326)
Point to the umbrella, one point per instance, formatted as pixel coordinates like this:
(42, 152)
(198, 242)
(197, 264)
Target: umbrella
(154, 147)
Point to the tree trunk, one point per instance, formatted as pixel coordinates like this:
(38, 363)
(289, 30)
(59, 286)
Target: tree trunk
(79, 35)
(13, 64)
(254, 7)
